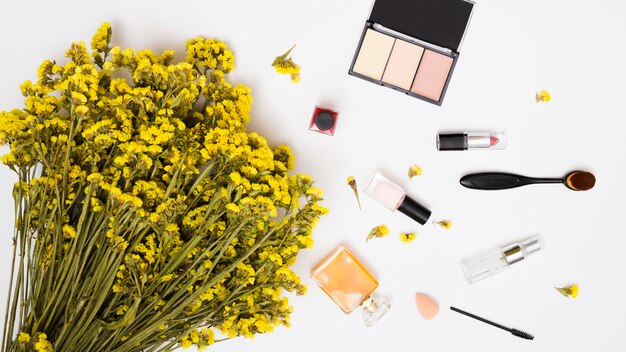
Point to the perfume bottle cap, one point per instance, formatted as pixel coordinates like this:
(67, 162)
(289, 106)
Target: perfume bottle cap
(374, 308)
(324, 121)
(531, 246)
(516, 252)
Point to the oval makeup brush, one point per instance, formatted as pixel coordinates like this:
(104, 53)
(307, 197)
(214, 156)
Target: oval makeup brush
(575, 180)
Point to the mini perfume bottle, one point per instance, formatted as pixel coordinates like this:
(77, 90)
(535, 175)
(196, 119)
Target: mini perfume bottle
(393, 197)
(349, 285)
(494, 261)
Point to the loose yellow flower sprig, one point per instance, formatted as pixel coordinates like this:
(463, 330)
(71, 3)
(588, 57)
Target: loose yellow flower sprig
(100, 44)
(542, 96)
(446, 224)
(414, 170)
(159, 219)
(40, 343)
(377, 232)
(283, 64)
(407, 238)
(568, 291)
(23, 338)
(352, 184)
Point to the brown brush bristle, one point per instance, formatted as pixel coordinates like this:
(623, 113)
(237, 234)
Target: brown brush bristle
(581, 180)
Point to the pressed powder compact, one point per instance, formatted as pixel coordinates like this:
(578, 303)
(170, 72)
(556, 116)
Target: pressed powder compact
(412, 45)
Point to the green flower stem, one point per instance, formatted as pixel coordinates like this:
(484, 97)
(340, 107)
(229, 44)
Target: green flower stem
(9, 320)
(105, 281)
(201, 177)
(155, 323)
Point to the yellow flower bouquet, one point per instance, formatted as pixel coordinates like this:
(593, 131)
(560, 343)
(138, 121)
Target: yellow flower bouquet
(147, 217)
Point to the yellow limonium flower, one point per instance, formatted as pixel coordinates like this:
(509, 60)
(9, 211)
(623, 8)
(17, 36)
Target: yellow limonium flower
(102, 38)
(446, 224)
(407, 238)
(283, 64)
(23, 337)
(233, 207)
(210, 54)
(378, 232)
(414, 170)
(42, 344)
(69, 231)
(185, 342)
(542, 96)
(568, 291)
(352, 184)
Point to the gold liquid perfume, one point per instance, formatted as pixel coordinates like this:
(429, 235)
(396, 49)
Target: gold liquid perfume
(346, 281)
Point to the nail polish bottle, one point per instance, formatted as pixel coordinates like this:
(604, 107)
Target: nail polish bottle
(393, 197)
(496, 260)
(344, 279)
(324, 121)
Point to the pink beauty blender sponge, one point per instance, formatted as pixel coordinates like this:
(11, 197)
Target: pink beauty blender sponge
(427, 306)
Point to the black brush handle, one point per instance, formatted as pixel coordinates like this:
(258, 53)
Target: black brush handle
(518, 333)
(480, 319)
(491, 181)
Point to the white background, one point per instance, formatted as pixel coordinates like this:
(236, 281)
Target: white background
(574, 49)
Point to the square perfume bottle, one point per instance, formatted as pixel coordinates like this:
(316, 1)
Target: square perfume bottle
(346, 281)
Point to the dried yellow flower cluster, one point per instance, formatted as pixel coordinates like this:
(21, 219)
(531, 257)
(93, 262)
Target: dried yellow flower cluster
(284, 65)
(158, 218)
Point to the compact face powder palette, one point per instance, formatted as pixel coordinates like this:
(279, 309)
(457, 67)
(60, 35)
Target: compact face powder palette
(412, 45)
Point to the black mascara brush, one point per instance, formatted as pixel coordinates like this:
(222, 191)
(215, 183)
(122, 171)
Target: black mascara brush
(515, 332)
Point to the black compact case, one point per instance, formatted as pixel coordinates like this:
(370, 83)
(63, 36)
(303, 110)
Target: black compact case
(436, 26)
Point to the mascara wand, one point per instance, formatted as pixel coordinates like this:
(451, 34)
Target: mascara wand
(515, 332)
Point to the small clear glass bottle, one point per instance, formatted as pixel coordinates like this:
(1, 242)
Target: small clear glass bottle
(496, 260)
(346, 281)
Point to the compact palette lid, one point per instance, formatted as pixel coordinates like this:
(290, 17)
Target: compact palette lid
(439, 22)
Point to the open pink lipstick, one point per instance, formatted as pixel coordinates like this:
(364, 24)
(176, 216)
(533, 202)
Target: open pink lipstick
(471, 141)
